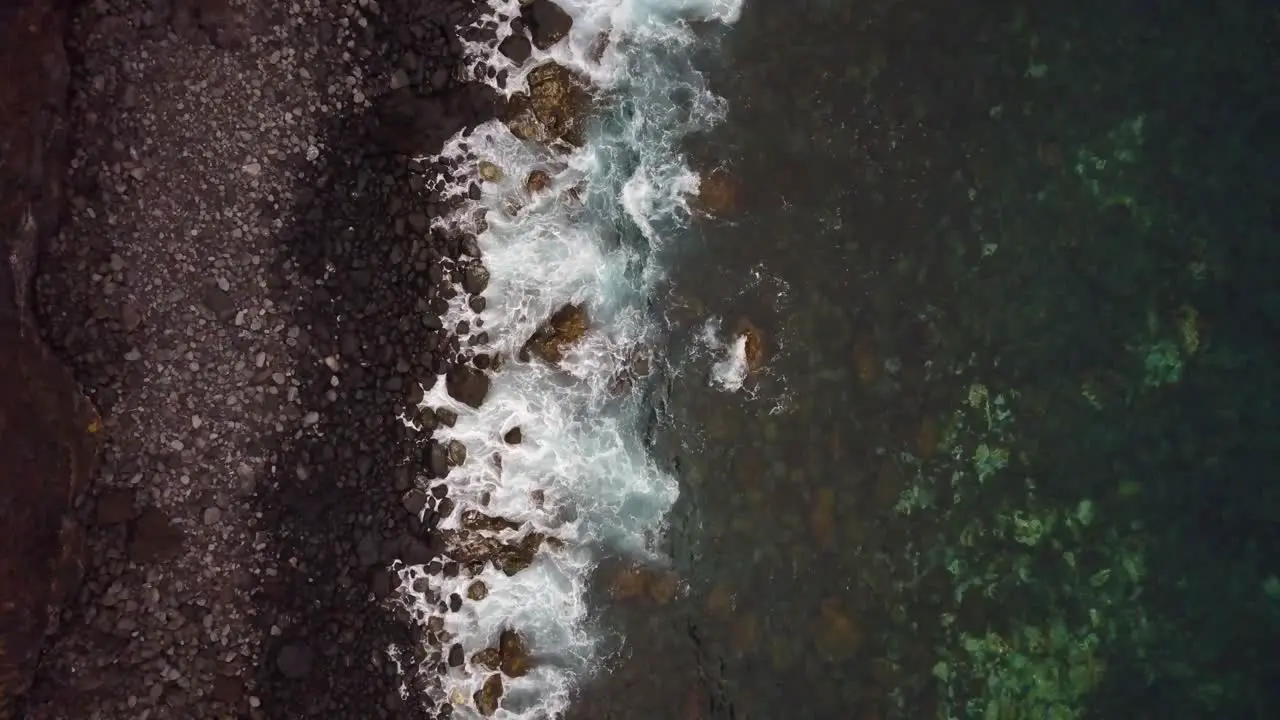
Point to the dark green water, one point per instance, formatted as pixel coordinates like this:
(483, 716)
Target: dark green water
(1015, 450)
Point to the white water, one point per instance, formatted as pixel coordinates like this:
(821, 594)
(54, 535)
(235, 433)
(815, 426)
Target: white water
(581, 445)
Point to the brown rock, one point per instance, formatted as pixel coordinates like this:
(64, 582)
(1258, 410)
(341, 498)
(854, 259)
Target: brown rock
(548, 23)
(717, 191)
(755, 349)
(515, 654)
(476, 520)
(467, 385)
(489, 694)
(553, 339)
(477, 591)
(489, 658)
(553, 110)
(537, 181)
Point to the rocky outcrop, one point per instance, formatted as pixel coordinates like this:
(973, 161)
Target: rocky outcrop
(553, 339)
(548, 23)
(554, 110)
(48, 431)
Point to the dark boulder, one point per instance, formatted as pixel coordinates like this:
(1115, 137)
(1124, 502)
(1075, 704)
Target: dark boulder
(548, 23)
(467, 385)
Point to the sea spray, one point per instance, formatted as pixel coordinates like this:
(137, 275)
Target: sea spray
(579, 483)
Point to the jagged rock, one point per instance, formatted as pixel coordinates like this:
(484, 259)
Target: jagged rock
(467, 385)
(516, 47)
(537, 181)
(489, 658)
(515, 654)
(489, 171)
(476, 520)
(554, 109)
(476, 550)
(554, 337)
(489, 694)
(548, 23)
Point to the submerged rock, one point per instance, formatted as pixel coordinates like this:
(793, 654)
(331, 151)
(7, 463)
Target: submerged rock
(553, 339)
(467, 385)
(515, 654)
(554, 108)
(490, 172)
(755, 346)
(717, 191)
(537, 181)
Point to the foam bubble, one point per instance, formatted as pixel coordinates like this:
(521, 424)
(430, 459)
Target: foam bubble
(581, 473)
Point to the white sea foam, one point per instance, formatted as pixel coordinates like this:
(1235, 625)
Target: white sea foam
(581, 447)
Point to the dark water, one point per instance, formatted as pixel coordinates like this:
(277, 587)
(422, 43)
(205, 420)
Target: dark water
(1014, 451)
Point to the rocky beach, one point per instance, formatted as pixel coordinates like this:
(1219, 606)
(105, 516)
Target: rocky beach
(636, 359)
(241, 272)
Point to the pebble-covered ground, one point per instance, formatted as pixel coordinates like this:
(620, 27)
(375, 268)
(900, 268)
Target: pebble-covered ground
(246, 286)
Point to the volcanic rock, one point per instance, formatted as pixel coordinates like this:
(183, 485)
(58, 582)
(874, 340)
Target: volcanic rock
(553, 110)
(548, 23)
(557, 335)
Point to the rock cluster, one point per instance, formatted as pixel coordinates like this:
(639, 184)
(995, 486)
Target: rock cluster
(249, 288)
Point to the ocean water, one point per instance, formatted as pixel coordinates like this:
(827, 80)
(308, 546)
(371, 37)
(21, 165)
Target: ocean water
(583, 455)
(1009, 270)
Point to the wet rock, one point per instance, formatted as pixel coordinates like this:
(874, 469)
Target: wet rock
(457, 453)
(516, 47)
(548, 23)
(513, 436)
(155, 538)
(552, 340)
(755, 347)
(467, 385)
(490, 172)
(488, 695)
(477, 591)
(554, 109)
(515, 654)
(537, 181)
(456, 657)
